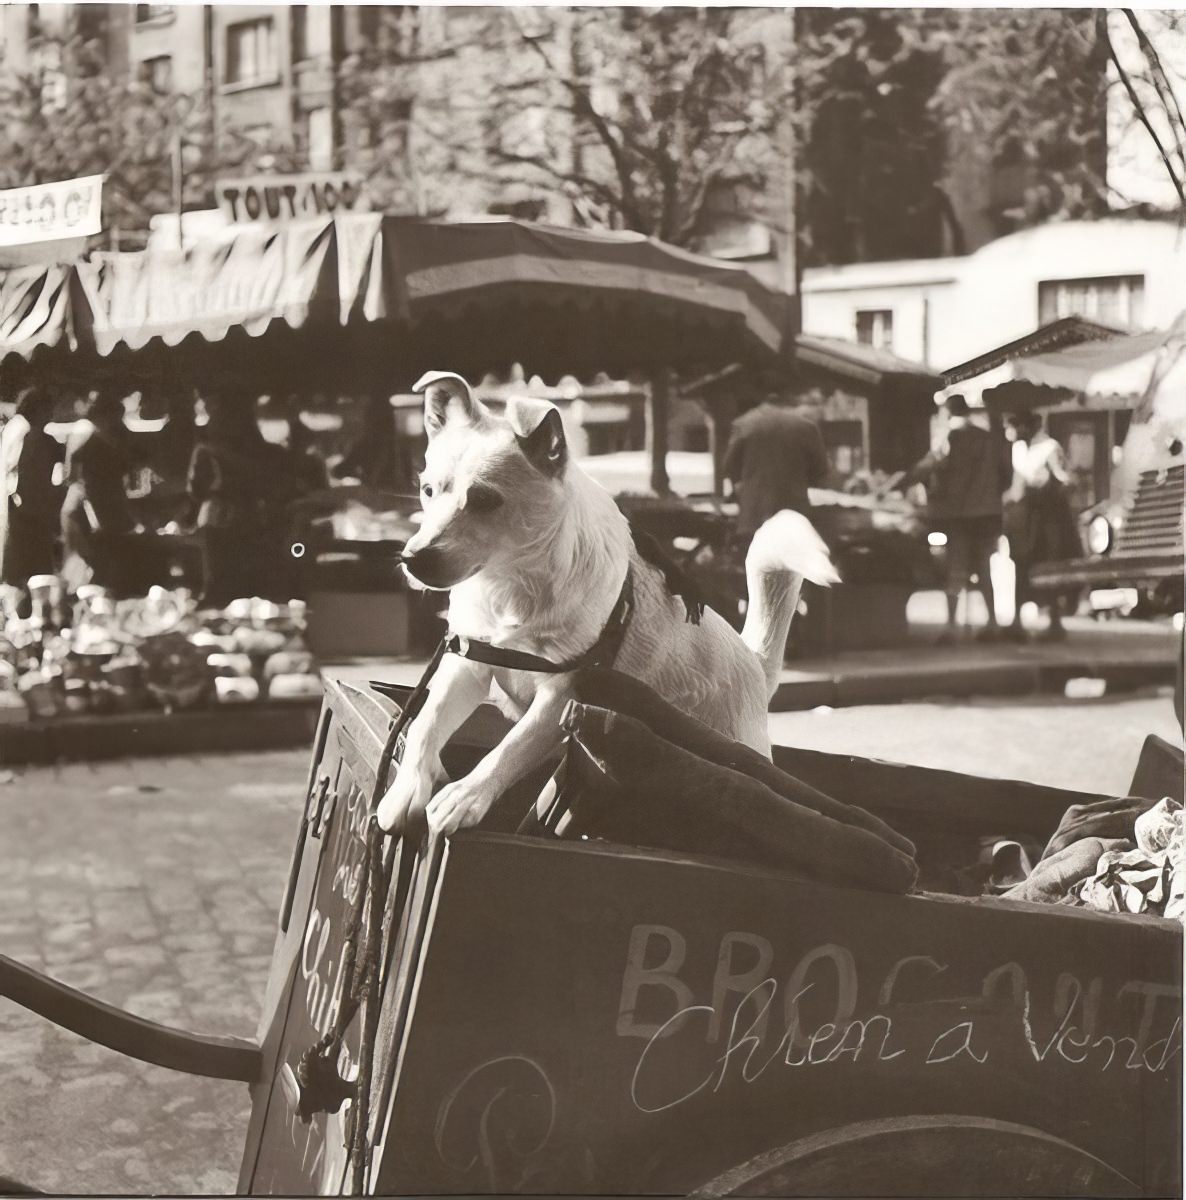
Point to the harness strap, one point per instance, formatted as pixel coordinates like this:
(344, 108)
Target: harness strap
(602, 653)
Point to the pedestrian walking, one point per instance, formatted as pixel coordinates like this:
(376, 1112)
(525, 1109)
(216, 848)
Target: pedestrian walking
(965, 477)
(30, 500)
(96, 514)
(1040, 523)
(774, 455)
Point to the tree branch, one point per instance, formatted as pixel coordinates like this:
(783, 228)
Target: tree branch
(628, 201)
(1138, 105)
(1161, 82)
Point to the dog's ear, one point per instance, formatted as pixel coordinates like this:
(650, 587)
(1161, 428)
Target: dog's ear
(447, 397)
(540, 433)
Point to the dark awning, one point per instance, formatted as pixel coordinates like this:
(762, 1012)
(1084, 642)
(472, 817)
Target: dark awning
(864, 364)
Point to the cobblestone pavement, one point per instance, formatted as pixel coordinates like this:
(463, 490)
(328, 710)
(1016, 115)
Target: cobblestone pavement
(153, 884)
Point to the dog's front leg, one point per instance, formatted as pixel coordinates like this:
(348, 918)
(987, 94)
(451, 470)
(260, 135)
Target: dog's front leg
(456, 690)
(464, 803)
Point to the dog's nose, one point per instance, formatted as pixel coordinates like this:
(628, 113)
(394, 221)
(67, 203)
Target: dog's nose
(425, 564)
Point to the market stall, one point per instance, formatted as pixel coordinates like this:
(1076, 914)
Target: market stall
(90, 676)
(361, 304)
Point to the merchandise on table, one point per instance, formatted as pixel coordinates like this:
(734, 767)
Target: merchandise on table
(107, 656)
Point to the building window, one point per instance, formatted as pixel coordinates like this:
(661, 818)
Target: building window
(251, 52)
(875, 327)
(157, 73)
(153, 12)
(1115, 300)
(520, 210)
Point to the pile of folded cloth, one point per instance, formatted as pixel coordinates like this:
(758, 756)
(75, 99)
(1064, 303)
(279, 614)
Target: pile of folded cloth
(1114, 856)
(640, 772)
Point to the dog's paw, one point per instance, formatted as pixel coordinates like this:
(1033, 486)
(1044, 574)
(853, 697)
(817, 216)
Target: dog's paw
(459, 805)
(408, 796)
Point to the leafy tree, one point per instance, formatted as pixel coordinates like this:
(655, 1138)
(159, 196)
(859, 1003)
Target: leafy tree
(638, 118)
(873, 150)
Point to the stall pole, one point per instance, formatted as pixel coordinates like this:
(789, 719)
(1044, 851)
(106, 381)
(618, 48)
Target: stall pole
(657, 414)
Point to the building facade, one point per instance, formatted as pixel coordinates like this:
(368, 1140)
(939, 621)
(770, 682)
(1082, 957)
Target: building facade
(1126, 274)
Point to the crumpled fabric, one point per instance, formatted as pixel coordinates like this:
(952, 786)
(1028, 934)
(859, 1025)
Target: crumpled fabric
(1053, 880)
(1146, 879)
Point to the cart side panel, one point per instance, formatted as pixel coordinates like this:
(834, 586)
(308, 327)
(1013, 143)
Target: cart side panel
(283, 1154)
(595, 1020)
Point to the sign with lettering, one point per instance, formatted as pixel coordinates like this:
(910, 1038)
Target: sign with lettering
(585, 1018)
(601, 1020)
(289, 197)
(47, 212)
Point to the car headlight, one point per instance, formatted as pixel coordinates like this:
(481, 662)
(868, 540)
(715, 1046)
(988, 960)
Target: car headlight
(1099, 535)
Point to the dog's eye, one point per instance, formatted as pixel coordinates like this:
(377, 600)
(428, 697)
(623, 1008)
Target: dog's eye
(426, 490)
(482, 499)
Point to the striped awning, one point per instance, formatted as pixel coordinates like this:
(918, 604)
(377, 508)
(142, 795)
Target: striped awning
(34, 308)
(259, 276)
(471, 294)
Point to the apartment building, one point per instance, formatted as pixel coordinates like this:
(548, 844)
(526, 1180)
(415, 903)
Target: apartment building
(1124, 273)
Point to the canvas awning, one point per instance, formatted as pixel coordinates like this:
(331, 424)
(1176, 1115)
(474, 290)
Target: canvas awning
(261, 275)
(34, 308)
(475, 294)
(1125, 372)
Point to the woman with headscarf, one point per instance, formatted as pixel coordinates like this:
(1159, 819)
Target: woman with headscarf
(30, 499)
(96, 514)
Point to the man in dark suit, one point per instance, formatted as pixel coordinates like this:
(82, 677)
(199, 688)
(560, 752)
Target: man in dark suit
(966, 476)
(774, 456)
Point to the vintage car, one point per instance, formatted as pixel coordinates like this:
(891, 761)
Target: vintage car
(1134, 541)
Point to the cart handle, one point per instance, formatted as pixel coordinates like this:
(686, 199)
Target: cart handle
(97, 1021)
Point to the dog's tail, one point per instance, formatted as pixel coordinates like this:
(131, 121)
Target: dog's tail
(784, 552)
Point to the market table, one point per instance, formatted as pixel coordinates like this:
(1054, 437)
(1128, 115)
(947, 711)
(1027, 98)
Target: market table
(257, 726)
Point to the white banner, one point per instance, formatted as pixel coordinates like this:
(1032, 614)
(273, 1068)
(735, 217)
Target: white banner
(290, 197)
(47, 212)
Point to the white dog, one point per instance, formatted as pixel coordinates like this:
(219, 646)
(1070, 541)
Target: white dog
(537, 558)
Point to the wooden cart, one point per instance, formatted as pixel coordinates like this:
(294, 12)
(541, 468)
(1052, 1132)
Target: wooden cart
(579, 1017)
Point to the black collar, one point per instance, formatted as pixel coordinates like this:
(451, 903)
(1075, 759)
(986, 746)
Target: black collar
(603, 652)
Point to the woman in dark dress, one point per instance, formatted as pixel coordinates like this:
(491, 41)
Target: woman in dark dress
(241, 484)
(33, 501)
(96, 515)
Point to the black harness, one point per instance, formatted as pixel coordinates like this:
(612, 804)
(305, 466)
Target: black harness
(603, 652)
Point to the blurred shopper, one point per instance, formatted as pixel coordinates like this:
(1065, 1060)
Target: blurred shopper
(30, 501)
(305, 462)
(1040, 523)
(172, 450)
(96, 514)
(378, 457)
(965, 477)
(241, 485)
(774, 455)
